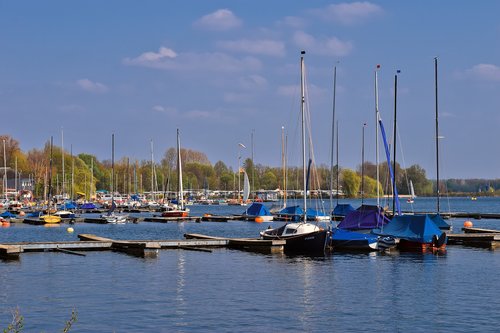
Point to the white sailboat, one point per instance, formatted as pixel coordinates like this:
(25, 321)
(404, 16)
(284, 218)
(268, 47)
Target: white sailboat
(246, 188)
(111, 217)
(301, 237)
(180, 210)
(412, 197)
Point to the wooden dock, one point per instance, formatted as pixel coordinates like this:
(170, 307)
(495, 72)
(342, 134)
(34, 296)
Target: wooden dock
(140, 248)
(484, 240)
(248, 244)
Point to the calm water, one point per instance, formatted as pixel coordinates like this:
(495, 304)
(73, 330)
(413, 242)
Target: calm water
(230, 290)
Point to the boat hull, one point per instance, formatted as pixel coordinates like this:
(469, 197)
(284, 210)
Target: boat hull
(419, 247)
(344, 240)
(308, 243)
(175, 213)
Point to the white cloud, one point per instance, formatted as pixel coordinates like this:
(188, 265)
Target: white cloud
(349, 13)
(222, 19)
(330, 46)
(290, 90)
(193, 61)
(486, 72)
(263, 47)
(93, 87)
(197, 114)
(252, 82)
(292, 22)
(171, 111)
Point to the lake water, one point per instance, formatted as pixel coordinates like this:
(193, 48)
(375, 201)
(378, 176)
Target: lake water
(230, 290)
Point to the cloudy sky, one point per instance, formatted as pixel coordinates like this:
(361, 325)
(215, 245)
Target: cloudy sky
(222, 70)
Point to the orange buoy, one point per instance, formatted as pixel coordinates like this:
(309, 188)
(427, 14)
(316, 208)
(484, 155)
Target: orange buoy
(5, 224)
(468, 224)
(259, 219)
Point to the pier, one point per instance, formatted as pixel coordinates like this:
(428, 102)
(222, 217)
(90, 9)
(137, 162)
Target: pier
(140, 248)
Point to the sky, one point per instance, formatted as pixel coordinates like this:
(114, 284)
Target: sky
(224, 72)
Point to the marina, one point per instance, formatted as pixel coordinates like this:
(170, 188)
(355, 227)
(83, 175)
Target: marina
(157, 265)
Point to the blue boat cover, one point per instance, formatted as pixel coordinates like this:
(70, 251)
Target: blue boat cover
(7, 214)
(342, 209)
(365, 217)
(440, 222)
(346, 235)
(257, 209)
(135, 197)
(68, 205)
(292, 210)
(416, 228)
(87, 205)
(313, 213)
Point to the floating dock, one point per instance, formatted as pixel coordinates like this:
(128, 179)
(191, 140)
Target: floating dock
(485, 240)
(140, 248)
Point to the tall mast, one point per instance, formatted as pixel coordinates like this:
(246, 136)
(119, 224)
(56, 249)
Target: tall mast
(283, 163)
(50, 171)
(337, 164)
(112, 167)
(72, 172)
(62, 156)
(363, 163)
(437, 130)
(152, 171)
(91, 177)
(377, 118)
(302, 105)
(179, 171)
(333, 136)
(394, 143)
(4, 171)
(253, 165)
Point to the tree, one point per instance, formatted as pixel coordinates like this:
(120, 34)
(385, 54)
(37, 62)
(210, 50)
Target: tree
(421, 184)
(351, 182)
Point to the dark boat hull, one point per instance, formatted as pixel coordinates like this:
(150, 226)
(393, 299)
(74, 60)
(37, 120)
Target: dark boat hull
(310, 243)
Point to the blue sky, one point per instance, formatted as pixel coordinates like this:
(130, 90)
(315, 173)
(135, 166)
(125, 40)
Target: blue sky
(219, 70)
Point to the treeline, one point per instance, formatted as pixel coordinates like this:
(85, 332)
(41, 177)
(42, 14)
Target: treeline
(88, 174)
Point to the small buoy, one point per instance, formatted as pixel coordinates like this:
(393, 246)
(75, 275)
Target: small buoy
(22, 213)
(259, 219)
(70, 230)
(5, 224)
(468, 224)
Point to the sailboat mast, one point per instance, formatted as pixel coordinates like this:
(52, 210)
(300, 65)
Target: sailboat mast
(283, 163)
(302, 111)
(337, 163)
(333, 136)
(179, 171)
(112, 167)
(394, 143)
(437, 130)
(152, 171)
(363, 163)
(72, 172)
(4, 171)
(377, 118)
(62, 156)
(50, 172)
(91, 177)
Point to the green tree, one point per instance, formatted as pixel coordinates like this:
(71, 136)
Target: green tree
(350, 183)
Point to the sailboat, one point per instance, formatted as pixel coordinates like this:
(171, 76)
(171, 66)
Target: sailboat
(180, 210)
(111, 217)
(246, 187)
(301, 237)
(419, 232)
(49, 218)
(411, 199)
